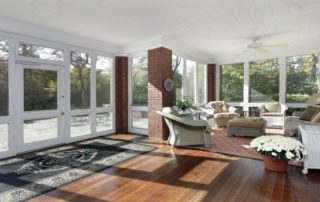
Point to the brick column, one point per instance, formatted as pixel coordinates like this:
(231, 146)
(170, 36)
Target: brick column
(211, 82)
(121, 82)
(159, 69)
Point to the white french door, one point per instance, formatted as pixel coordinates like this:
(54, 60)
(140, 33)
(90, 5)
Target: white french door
(40, 106)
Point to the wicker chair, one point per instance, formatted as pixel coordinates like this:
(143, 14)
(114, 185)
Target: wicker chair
(184, 131)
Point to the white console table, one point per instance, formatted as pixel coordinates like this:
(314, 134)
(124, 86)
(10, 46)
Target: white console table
(310, 135)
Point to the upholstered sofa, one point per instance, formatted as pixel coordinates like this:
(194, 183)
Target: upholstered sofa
(218, 113)
(310, 116)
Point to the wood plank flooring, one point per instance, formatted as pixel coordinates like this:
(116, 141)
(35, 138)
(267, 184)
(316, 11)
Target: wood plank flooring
(167, 174)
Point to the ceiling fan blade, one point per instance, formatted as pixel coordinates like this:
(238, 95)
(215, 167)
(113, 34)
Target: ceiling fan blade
(243, 51)
(263, 50)
(276, 46)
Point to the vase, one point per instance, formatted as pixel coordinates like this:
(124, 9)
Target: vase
(275, 165)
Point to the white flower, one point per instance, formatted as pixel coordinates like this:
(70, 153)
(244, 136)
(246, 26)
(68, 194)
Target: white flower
(274, 145)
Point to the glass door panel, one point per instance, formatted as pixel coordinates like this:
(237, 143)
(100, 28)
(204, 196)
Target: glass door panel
(41, 107)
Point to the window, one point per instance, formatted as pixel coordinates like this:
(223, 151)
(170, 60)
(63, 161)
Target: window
(264, 80)
(80, 80)
(45, 53)
(231, 82)
(139, 81)
(177, 68)
(302, 77)
(103, 81)
(40, 89)
(190, 79)
(201, 85)
(4, 80)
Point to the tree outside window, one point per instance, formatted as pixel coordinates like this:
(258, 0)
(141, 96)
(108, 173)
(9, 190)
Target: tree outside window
(264, 80)
(140, 81)
(302, 77)
(231, 82)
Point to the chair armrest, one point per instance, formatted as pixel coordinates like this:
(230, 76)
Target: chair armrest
(297, 113)
(189, 122)
(284, 108)
(262, 109)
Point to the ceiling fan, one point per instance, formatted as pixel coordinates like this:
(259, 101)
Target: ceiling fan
(260, 47)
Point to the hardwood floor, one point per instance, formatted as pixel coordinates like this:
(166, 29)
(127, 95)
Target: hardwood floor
(167, 174)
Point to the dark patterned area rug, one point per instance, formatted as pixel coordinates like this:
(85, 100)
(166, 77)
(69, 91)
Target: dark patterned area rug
(29, 175)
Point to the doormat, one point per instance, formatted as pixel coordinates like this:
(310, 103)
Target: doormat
(29, 175)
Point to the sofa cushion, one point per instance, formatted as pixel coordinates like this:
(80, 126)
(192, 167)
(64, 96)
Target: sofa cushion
(273, 107)
(272, 114)
(316, 118)
(218, 106)
(247, 122)
(226, 115)
(308, 113)
(291, 124)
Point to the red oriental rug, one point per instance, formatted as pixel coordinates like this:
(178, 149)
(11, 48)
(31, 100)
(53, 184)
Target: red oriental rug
(239, 146)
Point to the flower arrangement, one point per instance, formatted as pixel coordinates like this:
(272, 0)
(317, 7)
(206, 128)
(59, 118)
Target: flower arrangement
(279, 147)
(184, 104)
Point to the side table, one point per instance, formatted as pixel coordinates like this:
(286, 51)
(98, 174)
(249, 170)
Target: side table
(310, 135)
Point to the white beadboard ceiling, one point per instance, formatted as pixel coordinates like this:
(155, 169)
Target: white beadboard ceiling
(216, 27)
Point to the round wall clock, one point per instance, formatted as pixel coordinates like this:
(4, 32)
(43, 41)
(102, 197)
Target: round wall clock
(168, 84)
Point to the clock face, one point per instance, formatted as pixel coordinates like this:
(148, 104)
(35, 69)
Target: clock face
(168, 84)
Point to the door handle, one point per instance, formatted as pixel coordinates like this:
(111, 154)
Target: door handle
(62, 113)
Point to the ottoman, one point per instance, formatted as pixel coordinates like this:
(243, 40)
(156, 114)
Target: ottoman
(252, 127)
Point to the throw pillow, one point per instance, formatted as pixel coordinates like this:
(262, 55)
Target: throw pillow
(316, 118)
(273, 107)
(308, 113)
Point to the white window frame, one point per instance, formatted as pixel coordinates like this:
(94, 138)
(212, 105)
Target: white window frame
(13, 120)
(131, 108)
(184, 81)
(9, 119)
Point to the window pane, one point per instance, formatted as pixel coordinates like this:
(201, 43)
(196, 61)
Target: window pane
(80, 125)
(103, 81)
(4, 135)
(38, 130)
(139, 119)
(302, 77)
(80, 80)
(140, 81)
(177, 68)
(201, 83)
(103, 122)
(4, 80)
(264, 80)
(190, 79)
(40, 89)
(45, 53)
(231, 82)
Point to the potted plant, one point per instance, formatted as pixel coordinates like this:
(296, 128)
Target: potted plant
(277, 150)
(184, 104)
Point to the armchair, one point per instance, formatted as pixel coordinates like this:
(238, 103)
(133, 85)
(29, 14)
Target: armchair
(218, 113)
(273, 113)
(184, 131)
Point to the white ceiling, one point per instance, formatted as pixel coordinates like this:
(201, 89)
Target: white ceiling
(216, 27)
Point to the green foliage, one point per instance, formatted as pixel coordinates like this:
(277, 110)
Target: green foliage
(40, 89)
(140, 82)
(177, 68)
(264, 80)
(80, 80)
(185, 104)
(231, 82)
(301, 77)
